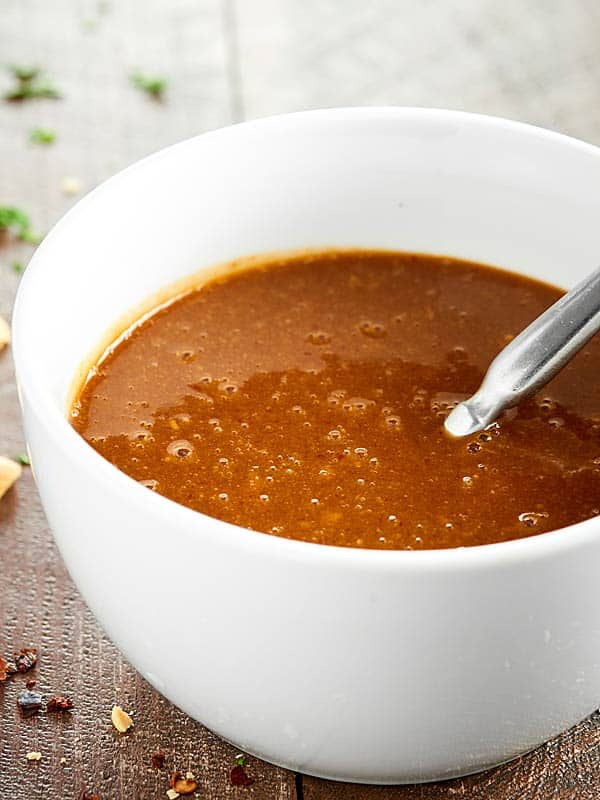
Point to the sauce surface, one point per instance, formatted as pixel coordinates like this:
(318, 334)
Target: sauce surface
(305, 397)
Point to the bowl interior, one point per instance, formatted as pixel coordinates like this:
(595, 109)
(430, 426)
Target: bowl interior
(429, 181)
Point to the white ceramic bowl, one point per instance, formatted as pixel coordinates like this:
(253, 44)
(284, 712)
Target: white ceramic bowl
(359, 665)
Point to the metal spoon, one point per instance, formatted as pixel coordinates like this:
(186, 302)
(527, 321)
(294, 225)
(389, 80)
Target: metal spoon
(532, 358)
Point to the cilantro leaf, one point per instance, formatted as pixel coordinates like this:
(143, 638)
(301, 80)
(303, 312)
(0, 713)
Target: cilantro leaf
(152, 85)
(15, 221)
(42, 136)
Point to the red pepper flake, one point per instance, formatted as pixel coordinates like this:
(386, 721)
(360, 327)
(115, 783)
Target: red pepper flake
(158, 760)
(6, 669)
(181, 785)
(239, 777)
(30, 683)
(26, 659)
(85, 796)
(22, 661)
(59, 703)
(29, 702)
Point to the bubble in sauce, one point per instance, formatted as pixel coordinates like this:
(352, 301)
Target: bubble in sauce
(458, 355)
(373, 330)
(318, 338)
(186, 355)
(141, 436)
(357, 404)
(334, 398)
(546, 405)
(204, 398)
(532, 518)
(227, 386)
(181, 448)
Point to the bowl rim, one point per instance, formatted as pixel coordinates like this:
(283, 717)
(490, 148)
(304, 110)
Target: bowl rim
(75, 448)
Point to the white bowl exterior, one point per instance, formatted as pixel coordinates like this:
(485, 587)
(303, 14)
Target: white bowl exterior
(357, 665)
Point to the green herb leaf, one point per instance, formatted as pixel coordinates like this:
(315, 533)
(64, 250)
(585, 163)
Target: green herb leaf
(23, 459)
(153, 86)
(17, 222)
(24, 73)
(14, 220)
(29, 237)
(32, 91)
(240, 760)
(29, 85)
(42, 136)
(18, 267)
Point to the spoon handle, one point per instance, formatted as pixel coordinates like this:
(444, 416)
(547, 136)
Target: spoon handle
(532, 358)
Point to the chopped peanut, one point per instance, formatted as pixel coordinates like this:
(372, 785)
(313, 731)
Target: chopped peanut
(71, 186)
(33, 756)
(185, 785)
(10, 471)
(181, 785)
(120, 719)
(172, 794)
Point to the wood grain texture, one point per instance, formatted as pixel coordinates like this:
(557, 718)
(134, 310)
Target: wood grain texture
(532, 60)
(535, 60)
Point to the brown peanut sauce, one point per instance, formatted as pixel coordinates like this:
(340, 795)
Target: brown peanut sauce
(305, 397)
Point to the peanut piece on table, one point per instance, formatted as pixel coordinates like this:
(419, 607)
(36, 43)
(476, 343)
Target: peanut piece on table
(10, 471)
(4, 333)
(120, 719)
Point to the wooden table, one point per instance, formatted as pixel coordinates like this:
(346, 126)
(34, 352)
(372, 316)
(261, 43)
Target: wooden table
(227, 60)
